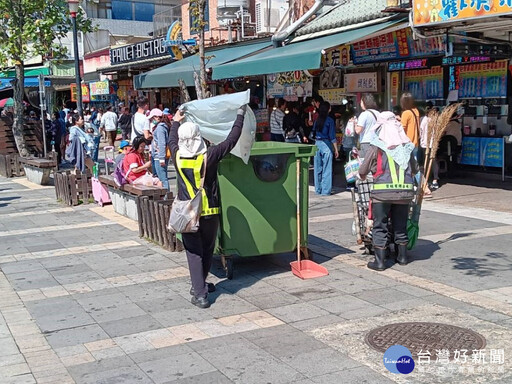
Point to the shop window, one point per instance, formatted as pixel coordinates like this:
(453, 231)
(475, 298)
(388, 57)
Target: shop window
(144, 11)
(122, 10)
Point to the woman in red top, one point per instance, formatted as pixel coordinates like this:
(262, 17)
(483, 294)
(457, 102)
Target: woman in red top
(134, 166)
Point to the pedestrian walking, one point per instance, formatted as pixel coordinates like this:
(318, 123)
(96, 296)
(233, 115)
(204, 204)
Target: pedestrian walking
(193, 160)
(109, 123)
(125, 123)
(276, 121)
(391, 161)
(324, 132)
(140, 122)
(292, 125)
(366, 121)
(159, 146)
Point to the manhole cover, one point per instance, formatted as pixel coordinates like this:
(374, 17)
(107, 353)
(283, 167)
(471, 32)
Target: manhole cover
(424, 337)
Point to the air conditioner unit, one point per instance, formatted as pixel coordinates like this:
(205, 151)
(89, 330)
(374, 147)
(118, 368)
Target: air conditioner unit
(268, 21)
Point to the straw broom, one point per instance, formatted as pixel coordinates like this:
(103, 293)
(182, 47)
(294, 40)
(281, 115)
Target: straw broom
(435, 131)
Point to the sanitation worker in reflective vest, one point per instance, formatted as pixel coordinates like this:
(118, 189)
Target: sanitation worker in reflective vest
(189, 155)
(390, 160)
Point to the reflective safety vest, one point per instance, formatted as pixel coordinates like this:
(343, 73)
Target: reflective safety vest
(387, 179)
(189, 181)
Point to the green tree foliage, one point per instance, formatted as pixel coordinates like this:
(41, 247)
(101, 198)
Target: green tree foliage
(29, 28)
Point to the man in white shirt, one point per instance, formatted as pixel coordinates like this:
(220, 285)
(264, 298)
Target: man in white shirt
(276, 121)
(109, 122)
(140, 123)
(366, 121)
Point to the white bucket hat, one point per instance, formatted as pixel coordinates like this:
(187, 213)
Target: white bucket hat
(190, 142)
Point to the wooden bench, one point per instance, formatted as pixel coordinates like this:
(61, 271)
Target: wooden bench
(38, 170)
(124, 199)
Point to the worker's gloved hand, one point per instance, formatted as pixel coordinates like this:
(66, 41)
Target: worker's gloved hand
(241, 110)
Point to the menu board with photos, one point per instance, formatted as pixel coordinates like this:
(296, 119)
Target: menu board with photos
(482, 80)
(425, 84)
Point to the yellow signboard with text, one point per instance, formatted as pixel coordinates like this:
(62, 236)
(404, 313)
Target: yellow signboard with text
(427, 13)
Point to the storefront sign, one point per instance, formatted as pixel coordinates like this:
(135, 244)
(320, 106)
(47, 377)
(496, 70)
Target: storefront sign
(289, 85)
(425, 84)
(492, 152)
(485, 80)
(408, 65)
(85, 93)
(99, 88)
(395, 86)
(461, 60)
(482, 151)
(361, 82)
(470, 151)
(427, 13)
(394, 46)
(174, 42)
(337, 57)
(334, 96)
(143, 50)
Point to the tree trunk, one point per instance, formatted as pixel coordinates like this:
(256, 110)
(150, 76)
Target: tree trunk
(185, 97)
(201, 90)
(17, 126)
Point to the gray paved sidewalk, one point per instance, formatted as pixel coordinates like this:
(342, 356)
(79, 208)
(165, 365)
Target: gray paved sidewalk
(85, 300)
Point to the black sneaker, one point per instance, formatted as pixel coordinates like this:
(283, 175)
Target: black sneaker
(201, 302)
(211, 288)
(434, 186)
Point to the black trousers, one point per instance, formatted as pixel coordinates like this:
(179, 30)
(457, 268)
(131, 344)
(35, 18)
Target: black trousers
(199, 247)
(398, 214)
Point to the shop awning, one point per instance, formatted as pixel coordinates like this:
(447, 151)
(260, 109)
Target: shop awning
(29, 72)
(295, 56)
(168, 75)
(30, 82)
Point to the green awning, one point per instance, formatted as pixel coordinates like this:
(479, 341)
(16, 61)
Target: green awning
(29, 72)
(303, 55)
(168, 75)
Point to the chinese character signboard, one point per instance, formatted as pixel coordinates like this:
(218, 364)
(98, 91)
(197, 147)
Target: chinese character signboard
(333, 96)
(85, 93)
(427, 13)
(425, 84)
(395, 46)
(289, 85)
(337, 57)
(361, 82)
(99, 88)
(487, 80)
(484, 151)
(470, 151)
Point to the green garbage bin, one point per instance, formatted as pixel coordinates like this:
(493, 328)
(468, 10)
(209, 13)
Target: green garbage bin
(258, 201)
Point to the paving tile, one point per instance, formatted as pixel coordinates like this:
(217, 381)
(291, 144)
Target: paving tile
(29, 280)
(297, 312)
(211, 377)
(243, 362)
(383, 296)
(103, 365)
(74, 336)
(181, 316)
(118, 312)
(22, 379)
(354, 375)
(340, 304)
(316, 322)
(272, 300)
(131, 374)
(289, 344)
(64, 321)
(161, 353)
(163, 304)
(176, 366)
(320, 362)
(130, 325)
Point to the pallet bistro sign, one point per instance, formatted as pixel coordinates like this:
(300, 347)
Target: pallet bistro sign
(138, 51)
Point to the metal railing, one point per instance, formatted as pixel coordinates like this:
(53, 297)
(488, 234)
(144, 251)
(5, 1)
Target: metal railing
(163, 20)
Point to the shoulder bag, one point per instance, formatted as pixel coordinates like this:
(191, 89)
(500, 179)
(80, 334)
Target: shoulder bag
(185, 214)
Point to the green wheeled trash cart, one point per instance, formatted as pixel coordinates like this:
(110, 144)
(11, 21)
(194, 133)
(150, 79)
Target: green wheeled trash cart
(258, 202)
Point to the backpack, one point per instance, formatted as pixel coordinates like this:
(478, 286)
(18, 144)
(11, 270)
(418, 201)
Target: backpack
(119, 177)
